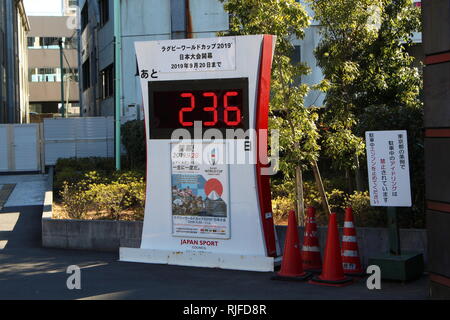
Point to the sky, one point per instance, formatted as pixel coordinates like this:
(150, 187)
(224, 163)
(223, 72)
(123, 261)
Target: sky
(43, 7)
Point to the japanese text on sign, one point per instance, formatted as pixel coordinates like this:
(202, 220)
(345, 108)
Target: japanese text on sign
(214, 54)
(388, 168)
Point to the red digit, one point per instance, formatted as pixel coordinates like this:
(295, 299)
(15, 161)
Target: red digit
(211, 109)
(231, 109)
(187, 109)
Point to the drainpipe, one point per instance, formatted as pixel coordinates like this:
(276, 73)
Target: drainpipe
(10, 64)
(61, 63)
(118, 76)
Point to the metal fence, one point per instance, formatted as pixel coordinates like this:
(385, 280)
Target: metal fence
(78, 137)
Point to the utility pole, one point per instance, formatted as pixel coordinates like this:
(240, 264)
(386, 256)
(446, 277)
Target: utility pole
(118, 77)
(61, 63)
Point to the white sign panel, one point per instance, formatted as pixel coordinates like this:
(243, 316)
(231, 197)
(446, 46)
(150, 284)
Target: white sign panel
(200, 209)
(388, 167)
(210, 54)
(200, 197)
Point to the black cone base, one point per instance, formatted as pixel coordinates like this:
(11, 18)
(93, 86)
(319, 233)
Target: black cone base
(305, 277)
(338, 283)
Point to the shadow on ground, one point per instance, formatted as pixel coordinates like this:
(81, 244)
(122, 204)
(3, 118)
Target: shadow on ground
(28, 271)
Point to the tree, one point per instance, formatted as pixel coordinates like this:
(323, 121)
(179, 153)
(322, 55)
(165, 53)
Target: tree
(371, 82)
(299, 135)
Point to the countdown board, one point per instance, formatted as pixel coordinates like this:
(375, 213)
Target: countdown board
(208, 201)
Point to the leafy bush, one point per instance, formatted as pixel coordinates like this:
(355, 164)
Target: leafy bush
(73, 170)
(281, 207)
(92, 185)
(110, 198)
(364, 214)
(133, 139)
(75, 200)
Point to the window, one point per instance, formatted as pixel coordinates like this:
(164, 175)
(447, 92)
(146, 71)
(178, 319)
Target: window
(107, 82)
(51, 74)
(51, 42)
(31, 42)
(84, 16)
(86, 75)
(104, 11)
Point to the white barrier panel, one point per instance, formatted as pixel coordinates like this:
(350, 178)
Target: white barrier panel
(20, 147)
(78, 138)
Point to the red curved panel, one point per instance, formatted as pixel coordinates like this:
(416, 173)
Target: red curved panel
(262, 123)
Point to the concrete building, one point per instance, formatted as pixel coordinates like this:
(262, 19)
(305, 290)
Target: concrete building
(13, 62)
(44, 60)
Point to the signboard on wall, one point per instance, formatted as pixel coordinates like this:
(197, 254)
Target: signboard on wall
(200, 197)
(388, 168)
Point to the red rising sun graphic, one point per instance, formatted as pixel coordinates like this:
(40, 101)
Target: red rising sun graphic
(213, 185)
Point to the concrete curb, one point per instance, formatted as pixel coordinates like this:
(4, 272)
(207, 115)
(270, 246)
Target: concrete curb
(47, 212)
(99, 235)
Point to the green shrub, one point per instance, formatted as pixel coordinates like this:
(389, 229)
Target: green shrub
(133, 139)
(281, 207)
(110, 198)
(86, 164)
(76, 201)
(364, 214)
(73, 170)
(136, 194)
(100, 191)
(65, 175)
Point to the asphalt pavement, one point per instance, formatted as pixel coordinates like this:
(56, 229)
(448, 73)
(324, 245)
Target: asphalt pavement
(28, 271)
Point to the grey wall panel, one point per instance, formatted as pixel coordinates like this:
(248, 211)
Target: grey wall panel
(437, 95)
(78, 137)
(436, 26)
(437, 169)
(438, 242)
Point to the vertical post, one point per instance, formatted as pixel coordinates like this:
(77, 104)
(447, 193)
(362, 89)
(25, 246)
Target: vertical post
(118, 76)
(61, 64)
(320, 187)
(300, 196)
(394, 236)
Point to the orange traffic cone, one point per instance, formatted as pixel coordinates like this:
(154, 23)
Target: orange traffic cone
(350, 253)
(332, 273)
(312, 261)
(291, 265)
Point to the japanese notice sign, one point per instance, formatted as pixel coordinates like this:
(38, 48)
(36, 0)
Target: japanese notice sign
(200, 205)
(209, 54)
(388, 168)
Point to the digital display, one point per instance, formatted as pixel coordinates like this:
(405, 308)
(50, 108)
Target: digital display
(217, 103)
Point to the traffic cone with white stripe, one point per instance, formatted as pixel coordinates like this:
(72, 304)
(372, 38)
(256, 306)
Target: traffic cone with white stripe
(291, 265)
(332, 273)
(312, 261)
(350, 253)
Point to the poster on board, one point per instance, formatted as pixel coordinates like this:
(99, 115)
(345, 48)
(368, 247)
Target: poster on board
(200, 195)
(388, 168)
